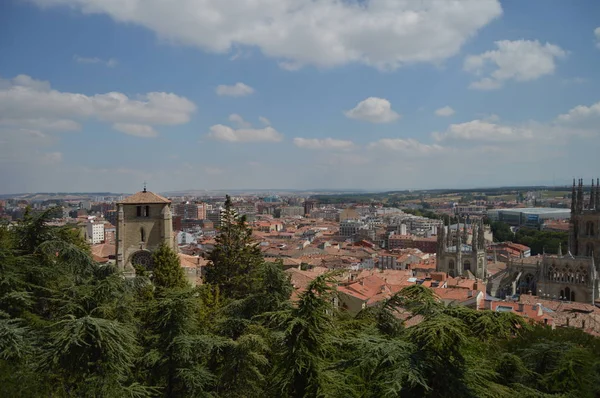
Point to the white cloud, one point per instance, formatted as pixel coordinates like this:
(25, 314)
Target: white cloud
(374, 110)
(325, 33)
(481, 130)
(409, 146)
(582, 114)
(239, 121)
(225, 133)
(42, 124)
(111, 62)
(26, 102)
(237, 90)
(597, 34)
(519, 60)
(264, 120)
(326, 143)
(486, 84)
(139, 130)
(445, 111)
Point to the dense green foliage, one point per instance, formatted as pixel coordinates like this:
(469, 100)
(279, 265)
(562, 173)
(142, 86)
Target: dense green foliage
(72, 328)
(538, 241)
(502, 232)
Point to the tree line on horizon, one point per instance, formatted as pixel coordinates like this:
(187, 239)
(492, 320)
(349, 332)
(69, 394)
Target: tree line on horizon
(70, 327)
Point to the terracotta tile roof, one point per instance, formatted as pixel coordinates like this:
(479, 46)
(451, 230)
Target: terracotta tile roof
(144, 197)
(536, 312)
(557, 305)
(104, 250)
(455, 294)
(188, 261)
(101, 260)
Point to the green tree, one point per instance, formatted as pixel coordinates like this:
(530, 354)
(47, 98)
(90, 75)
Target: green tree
(305, 350)
(236, 258)
(167, 272)
(502, 232)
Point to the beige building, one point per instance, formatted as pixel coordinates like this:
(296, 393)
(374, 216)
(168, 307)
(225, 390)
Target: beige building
(349, 213)
(461, 259)
(143, 224)
(570, 277)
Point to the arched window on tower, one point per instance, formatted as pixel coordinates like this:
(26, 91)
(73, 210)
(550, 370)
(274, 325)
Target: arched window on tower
(147, 213)
(142, 235)
(451, 268)
(567, 294)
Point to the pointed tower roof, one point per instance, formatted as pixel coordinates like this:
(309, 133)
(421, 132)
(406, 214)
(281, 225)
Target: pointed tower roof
(144, 197)
(560, 250)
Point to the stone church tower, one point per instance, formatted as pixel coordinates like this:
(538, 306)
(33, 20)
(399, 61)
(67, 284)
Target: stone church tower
(456, 257)
(143, 223)
(584, 233)
(571, 277)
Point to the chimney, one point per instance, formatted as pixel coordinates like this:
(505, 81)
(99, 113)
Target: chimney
(540, 312)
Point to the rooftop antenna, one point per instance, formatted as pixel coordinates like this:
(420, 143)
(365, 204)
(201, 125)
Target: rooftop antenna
(144, 186)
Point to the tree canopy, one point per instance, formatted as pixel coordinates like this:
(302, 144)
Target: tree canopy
(70, 327)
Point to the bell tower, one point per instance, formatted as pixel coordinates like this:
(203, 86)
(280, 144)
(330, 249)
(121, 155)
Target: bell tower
(143, 224)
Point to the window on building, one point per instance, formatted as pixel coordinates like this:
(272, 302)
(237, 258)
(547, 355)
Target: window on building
(589, 228)
(139, 211)
(467, 265)
(147, 211)
(142, 235)
(589, 249)
(567, 295)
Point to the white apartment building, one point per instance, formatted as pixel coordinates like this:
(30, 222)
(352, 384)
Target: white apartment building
(95, 232)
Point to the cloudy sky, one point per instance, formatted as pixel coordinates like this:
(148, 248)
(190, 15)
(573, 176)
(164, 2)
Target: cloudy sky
(100, 95)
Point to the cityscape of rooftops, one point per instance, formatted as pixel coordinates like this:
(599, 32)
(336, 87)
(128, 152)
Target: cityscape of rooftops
(299, 198)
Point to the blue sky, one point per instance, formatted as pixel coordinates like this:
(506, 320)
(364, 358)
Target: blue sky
(100, 95)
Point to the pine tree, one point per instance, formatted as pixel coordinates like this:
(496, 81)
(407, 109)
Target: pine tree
(236, 258)
(305, 354)
(167, 272)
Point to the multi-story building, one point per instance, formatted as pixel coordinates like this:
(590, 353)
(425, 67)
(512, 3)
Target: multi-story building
(532, 216)
(470, 210)
(190, 211)
(291, 211)
(350, 228)
(309, 205)
(388, 262)
(426, 245)
(111, 216)
(214, 216)
(330, 214)
(95, 232)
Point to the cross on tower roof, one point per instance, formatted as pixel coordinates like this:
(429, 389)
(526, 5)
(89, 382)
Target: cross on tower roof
(144, 186)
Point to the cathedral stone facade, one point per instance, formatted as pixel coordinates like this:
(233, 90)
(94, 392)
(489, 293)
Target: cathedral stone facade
(573, 276)
(458, 258)
(143, 223)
